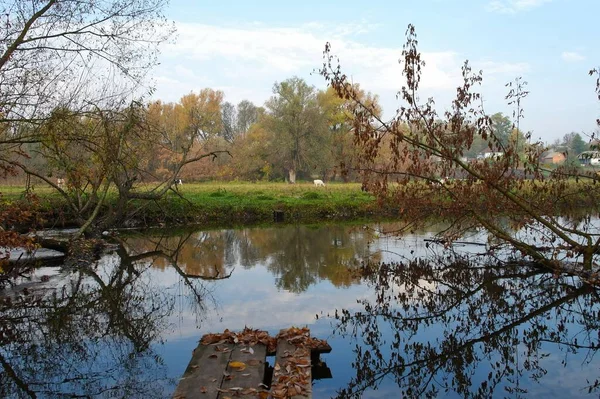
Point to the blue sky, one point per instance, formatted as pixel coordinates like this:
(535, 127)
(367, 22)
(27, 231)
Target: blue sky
(243, 48)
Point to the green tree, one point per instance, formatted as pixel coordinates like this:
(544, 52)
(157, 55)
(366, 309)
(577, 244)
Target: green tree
(577, 144)
(339, 115)
(571, 144)
(299, 127)
(502, 127)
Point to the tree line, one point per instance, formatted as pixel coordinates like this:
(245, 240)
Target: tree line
(299, 132)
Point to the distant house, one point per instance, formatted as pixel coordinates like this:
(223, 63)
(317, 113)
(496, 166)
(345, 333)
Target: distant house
(588, 158)
(553, 157)
(487, 153)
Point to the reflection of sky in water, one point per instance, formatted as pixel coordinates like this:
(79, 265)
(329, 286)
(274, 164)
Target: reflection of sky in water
(285, 276)
(250, 298)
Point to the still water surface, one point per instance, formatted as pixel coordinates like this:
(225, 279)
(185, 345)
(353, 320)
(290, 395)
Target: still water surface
(441, 326)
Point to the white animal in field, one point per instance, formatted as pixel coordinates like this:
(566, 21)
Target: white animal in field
(178, 182)
(440, 182)
(318, 183)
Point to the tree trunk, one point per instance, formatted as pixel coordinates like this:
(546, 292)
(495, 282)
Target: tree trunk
(292, 174)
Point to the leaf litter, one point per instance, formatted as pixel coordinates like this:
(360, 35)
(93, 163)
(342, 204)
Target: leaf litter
(292, 378)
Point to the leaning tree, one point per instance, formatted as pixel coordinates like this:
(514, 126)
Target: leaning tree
(509, 193)
(72, 76)
(80, 55)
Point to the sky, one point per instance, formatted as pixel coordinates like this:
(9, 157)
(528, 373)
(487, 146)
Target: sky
(244, 47)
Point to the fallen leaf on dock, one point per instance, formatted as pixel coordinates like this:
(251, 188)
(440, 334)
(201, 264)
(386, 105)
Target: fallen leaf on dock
(248, 337)
(247, 350)
(220, 348)
(237, 365)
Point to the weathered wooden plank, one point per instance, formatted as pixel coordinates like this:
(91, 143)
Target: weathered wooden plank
(246, 371)
(204, 373)
(292, 371)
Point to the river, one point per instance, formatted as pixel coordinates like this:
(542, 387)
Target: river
(404, 316)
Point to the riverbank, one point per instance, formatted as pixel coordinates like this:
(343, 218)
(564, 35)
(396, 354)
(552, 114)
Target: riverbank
(216, 204)
(222, 203)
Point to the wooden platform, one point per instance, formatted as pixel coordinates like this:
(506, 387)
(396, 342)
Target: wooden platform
(234, 365)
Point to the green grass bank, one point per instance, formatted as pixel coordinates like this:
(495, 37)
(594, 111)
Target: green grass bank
(224, 203)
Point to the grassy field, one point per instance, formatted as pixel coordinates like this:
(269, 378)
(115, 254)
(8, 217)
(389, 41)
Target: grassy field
(253, 202)
(273, 193)
(232, 202)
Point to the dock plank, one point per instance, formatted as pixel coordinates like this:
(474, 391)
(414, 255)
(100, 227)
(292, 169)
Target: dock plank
(204, 374)
(250, 376)
(233, 365)
(292, 370)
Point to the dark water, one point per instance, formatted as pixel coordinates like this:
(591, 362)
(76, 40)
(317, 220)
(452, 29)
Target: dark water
(421, 320)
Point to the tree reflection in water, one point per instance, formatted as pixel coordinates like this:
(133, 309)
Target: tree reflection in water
(92, 333)
(469, 326)
(456, 324)
(298, 256)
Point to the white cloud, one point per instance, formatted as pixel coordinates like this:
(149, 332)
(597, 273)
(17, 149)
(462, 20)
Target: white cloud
(245, 61)
(252, 54)
(572, 56)
(514, 6)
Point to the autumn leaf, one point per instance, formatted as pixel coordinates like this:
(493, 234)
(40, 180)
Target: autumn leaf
(237, 365)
